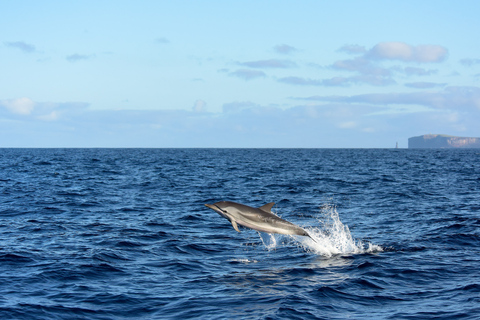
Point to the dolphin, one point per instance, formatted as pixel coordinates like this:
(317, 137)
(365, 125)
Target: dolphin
(260, 219)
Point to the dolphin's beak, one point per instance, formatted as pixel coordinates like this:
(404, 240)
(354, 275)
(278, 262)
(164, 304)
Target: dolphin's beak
(214, 208)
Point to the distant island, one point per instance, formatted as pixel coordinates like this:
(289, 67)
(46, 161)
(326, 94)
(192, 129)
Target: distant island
(442, 141)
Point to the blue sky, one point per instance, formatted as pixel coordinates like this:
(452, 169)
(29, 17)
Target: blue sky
(345, 74)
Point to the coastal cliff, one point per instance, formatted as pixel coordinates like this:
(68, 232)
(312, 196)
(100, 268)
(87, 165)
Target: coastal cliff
(442, 141)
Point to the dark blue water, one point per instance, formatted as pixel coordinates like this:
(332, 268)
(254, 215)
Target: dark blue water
(124, 234)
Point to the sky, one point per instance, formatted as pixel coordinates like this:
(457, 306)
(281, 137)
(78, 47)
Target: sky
(254, 74)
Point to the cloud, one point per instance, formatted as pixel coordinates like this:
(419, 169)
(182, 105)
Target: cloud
(361, 65)
(339, 81)
(162, 40)
(424, 85)
(79, 57)
(271, 63)
(52, 116)
(25, 108)
(284, 49)
(469, 62)
(247, 74)
(21, 106)
(349, 121)
(414, 71)
(238, 106)
(199, 106)
(404, 52)
(347, 124)
(368, 66)
(25, 47)
(374, 80)
(301, 81)
(450, 98)
(353, 49)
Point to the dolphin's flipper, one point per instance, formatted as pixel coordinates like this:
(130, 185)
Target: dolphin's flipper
(234, 224)
(267, 207)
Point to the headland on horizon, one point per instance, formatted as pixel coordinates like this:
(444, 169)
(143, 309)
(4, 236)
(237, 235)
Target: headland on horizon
(442, 141)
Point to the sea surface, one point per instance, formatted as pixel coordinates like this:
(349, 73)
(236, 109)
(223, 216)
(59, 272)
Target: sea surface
(124, 234)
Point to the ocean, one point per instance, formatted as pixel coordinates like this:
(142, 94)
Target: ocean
(124, 234)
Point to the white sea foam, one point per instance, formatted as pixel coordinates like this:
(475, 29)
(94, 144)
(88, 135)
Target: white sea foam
(239, 260)
(333, 237)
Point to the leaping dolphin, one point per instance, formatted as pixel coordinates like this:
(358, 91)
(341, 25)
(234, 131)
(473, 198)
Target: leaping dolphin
(260, 219)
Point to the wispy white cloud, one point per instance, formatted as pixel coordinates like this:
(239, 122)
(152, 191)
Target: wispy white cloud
(424, 85)
(23, 46)
(374, 80)
(367, 64)
(162, 40)
(362, 66)
(28, 109)
(237, 106)
(415, 71)
(299, 81)
(405, 52)
(21, 106)
(337, 82)
(347, 124)
(269, 64)
(247, 74)
(468, 62)
(284, 49)
(79, 57)
(367, 67)
(353, 49)
(452, 98)
(199, 106)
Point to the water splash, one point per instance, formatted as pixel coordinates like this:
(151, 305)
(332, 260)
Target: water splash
(269, 240)
(333, 237)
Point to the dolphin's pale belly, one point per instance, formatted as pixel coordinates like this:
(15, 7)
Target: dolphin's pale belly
(271, 225)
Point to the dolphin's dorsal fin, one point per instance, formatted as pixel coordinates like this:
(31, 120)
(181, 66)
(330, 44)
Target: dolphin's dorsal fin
(267, 207)
(234, 224)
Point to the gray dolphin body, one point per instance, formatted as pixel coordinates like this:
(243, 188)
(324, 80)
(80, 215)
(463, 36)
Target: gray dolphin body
(260, 219)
